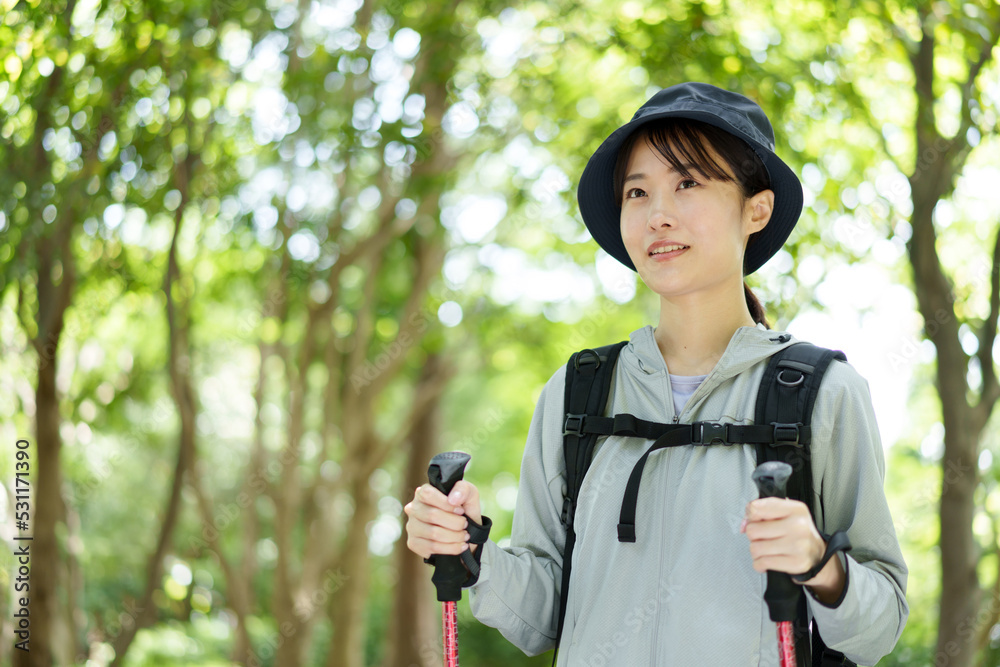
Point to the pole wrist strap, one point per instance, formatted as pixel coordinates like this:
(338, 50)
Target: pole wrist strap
(478, 534)
(834, 543)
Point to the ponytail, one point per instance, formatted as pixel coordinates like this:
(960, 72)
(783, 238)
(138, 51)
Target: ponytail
(755, 307)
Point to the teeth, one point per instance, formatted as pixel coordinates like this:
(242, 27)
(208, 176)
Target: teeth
(667, 248)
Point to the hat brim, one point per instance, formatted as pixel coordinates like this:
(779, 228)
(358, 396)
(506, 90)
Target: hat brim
(602, 215)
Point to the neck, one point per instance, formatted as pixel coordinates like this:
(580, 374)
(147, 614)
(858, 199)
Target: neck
(695, 329)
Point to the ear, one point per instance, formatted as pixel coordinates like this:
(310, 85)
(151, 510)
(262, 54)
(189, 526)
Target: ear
(757, 211)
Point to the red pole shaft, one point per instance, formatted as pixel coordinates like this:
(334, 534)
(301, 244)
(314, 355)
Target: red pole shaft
(786, 644)
(449, 625)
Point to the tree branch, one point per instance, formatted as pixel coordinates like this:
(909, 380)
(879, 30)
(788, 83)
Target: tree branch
(959, 147)
(987, 336)
(992, 613)
(238, 587)
(429, 261)
(909, 44)
(925, 122)
(425, 394)
(362, 339)
(184, 397)
(927, 182)
(26, 324)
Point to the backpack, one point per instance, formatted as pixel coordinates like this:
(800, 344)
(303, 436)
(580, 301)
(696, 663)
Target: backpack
(781, 432)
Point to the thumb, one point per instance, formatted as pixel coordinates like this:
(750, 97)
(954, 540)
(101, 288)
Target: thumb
(462, 492)
(465, 495)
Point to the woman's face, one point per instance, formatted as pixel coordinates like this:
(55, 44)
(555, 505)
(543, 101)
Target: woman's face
(685, 233)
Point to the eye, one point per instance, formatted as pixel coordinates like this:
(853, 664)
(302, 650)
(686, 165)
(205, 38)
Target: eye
(688, 180)
(635, 192)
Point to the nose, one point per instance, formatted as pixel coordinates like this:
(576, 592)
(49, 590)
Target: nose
(661, 212)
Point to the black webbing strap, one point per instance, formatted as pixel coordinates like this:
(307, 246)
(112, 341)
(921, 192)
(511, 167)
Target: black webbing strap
(588, 385)
(839, 541)
(704, 433)
(478, 534)
(787, 393)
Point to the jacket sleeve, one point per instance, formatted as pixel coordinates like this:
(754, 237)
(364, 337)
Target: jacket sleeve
(848, 469)
(518, 587)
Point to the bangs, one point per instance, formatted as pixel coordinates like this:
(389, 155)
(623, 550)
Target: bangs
(689, 142)
(681, 144)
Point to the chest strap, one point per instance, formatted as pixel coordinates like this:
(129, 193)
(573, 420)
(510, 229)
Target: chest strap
(702, 433)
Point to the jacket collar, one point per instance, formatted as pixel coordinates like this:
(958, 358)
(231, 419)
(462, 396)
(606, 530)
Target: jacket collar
(747, 347)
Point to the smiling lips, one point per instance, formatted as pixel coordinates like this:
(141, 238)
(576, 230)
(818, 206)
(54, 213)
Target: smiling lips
(666, 249)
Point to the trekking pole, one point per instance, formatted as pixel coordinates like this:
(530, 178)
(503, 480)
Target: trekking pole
(449, 572)
(782, 594)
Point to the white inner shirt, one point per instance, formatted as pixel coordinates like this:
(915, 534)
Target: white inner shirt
(682, 386)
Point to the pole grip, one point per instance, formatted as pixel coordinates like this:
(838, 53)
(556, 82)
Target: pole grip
(782, 594)
(446, 469)
(449, 573)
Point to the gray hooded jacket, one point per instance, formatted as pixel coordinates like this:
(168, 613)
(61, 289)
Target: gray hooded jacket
(685, 592)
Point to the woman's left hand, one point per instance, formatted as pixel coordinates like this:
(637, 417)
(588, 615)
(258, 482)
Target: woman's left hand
(784, 538)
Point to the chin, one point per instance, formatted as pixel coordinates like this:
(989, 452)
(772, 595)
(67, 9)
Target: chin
(666, 286)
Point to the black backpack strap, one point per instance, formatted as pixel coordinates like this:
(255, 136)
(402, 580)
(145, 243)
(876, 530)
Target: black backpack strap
(826, 657)
(787, 394)
(704, 433)
(589, 374)
(701, 432)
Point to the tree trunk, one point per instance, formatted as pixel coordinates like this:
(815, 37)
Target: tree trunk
(959, 554)
(48, 640)
(76, 618)
(44, 548)
(938, 161)
(414, 635)
(256, 480)
(348, 604)
(179, 364)
(290, 643)
(54, 253)
(145, 611)
(237, 589)
(960, 592)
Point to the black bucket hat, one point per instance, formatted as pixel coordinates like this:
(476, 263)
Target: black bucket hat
(728, 111)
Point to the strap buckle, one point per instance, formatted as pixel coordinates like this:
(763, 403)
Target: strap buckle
(568, 511)
(709, 433)
(787, 434)
(574, 425)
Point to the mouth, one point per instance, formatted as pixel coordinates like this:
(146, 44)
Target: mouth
(667, 250)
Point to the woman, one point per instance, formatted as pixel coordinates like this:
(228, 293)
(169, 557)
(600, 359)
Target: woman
(689, 194)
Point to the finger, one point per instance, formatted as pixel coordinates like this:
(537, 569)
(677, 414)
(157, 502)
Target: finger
(769, 530)
(780, 563)
(428, 495)
(417, 528)
(782, 555)
(770, 548)
(770, 509)
(427, 548)
(437, 517)
(796, 526)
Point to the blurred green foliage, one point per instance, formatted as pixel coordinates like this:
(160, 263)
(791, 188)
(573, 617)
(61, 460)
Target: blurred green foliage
(298, 122)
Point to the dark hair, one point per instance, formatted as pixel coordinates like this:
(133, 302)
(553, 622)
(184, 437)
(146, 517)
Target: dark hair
(682, 141)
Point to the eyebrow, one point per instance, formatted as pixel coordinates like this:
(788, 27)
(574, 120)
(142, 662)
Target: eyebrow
(687, 168)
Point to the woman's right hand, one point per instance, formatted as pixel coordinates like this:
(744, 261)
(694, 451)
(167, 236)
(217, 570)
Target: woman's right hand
(437, 523)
